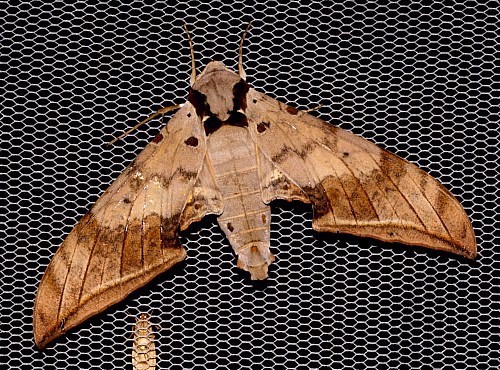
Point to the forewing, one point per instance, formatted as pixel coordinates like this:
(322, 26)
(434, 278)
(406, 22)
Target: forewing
(130, 234)
(354, 186)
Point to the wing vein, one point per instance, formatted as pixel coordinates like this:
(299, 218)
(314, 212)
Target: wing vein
(432, 206)
(402, 194)
(346, 195)
(384, 192)
(84, 279)
(125, 234)
(361, 186)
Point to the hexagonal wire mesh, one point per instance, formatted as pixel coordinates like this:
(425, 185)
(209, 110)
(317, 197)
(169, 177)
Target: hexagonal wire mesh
(416, 79)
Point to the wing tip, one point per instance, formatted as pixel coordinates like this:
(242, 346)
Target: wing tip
(45, 338)
(43, 332)
(469, 248)
(47, 327)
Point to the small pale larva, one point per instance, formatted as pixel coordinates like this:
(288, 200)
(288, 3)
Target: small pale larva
(143, 349)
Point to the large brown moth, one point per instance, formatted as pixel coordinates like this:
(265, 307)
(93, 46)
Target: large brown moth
(143, 348)
(229, 151)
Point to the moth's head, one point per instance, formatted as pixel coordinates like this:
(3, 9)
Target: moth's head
(218, 94)
(143, 317)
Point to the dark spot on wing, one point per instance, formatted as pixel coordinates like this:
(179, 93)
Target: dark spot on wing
(169, 232)
(346, 154)
(262, 127)
(254, 101)
(192, 141)
(264, 219)
(230, 227)
(318, 197)
(186, 174)
(189, 115)
(136, 183)
(126, 200)
(282, 155)
(158, 138)
(293, 111)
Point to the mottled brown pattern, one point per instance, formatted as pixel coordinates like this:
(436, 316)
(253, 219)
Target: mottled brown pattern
(136, 183)
(286, 151)
(281, 155)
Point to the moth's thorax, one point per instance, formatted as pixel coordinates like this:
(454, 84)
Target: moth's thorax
(219, 96)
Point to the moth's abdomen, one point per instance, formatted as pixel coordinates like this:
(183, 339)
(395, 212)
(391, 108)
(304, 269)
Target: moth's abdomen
(246, 218)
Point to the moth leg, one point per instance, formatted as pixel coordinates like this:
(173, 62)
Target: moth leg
(159, 112)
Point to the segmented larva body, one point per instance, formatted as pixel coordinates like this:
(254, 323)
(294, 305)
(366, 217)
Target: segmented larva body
(143, 349)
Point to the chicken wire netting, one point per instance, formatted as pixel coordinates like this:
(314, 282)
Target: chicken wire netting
(417, 78)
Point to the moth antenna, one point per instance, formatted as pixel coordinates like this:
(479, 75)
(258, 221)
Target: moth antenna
(241, 71)
(159, 112)
(193, 65)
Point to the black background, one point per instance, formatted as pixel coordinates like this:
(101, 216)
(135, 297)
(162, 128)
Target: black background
(414, 77)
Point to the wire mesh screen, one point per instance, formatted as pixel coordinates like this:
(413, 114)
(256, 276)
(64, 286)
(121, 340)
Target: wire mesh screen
(417, 78)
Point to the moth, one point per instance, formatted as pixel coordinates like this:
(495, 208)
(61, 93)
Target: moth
(229, 151)
(143, 348)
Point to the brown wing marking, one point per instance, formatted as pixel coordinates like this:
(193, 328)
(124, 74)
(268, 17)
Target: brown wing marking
(355, 187)
(128, 237)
